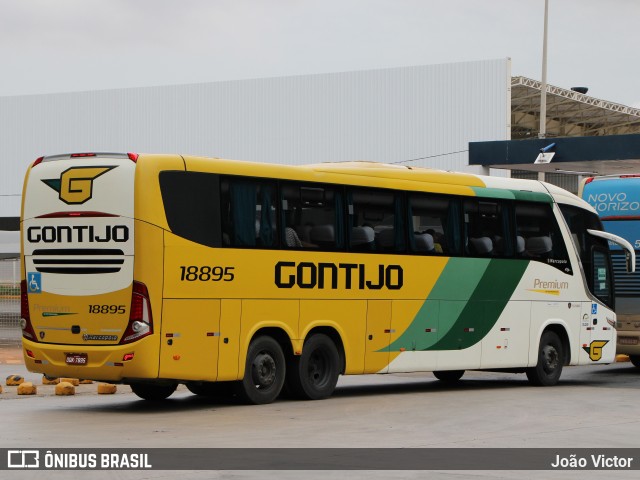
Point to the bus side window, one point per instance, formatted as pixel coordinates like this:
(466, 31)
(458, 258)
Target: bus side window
(376, 222)
(536, 224)
(429, 222)
(487, 229)
(248, 213)
(312, 216)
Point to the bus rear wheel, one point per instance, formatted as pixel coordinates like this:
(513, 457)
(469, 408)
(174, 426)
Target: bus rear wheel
(264, 372)
(314, 374)
(449, 376)
(153, 392)
(550, 361)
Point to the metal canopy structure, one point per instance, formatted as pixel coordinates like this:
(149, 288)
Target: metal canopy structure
(587, 136)
(605, 155)
(569, 113)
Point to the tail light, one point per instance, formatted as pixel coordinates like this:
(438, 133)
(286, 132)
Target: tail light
(589, 180)
(140, 319)
(25, 317)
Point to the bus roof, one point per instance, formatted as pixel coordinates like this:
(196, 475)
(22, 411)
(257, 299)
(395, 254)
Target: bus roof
(375, 174)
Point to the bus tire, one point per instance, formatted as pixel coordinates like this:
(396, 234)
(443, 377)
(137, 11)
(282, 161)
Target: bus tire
(153, 392)
(550, 361)
(635, 359)
(264, 372)
(314, 374)
(449, 376)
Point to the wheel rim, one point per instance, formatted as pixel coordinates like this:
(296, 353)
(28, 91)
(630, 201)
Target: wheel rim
(263, 370)
(318, 370)
(551, 359)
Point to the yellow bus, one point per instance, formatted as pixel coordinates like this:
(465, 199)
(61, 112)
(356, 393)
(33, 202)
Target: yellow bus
(252, 279)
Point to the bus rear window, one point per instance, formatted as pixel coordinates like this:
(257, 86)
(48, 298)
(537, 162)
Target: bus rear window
(191, 205)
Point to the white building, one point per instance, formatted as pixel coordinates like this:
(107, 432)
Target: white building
(421, 116)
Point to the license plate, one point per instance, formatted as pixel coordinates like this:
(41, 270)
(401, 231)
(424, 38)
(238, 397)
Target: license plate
(627, 340)
(76, 359)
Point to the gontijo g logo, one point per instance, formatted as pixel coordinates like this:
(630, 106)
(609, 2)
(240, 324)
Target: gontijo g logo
(595, 349)
(75, 184)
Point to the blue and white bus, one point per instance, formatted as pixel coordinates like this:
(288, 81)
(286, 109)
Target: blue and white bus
(617, 201)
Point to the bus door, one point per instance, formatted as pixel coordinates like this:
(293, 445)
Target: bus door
(596, 327)
(588, 324)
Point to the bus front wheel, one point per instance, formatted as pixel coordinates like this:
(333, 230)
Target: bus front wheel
(635, 360)
(314, 374)
(264, 372)
(550, 361)
(153, 392)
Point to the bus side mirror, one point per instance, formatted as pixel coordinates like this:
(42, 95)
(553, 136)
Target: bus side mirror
(629, 252)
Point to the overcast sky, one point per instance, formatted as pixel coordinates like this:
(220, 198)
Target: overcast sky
(70, 45)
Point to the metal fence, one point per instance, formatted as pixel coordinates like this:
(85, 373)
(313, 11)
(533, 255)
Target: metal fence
(9, 300)
(563, 180)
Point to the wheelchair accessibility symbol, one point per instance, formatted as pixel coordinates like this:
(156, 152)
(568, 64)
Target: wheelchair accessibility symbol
(34, 282)
(594, 309)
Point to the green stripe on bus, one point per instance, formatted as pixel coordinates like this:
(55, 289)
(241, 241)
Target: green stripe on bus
(447, 300)
(464, 305)
(523, 195)
(498, 193)
(532, 196)
(485, 305)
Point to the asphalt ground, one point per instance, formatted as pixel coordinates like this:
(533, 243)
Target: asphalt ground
(592, 407)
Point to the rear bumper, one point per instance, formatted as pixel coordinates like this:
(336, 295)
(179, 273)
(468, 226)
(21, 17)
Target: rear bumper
(628, 342)
(104, 363)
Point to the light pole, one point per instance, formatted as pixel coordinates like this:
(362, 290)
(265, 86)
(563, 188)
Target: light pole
(543, 87)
